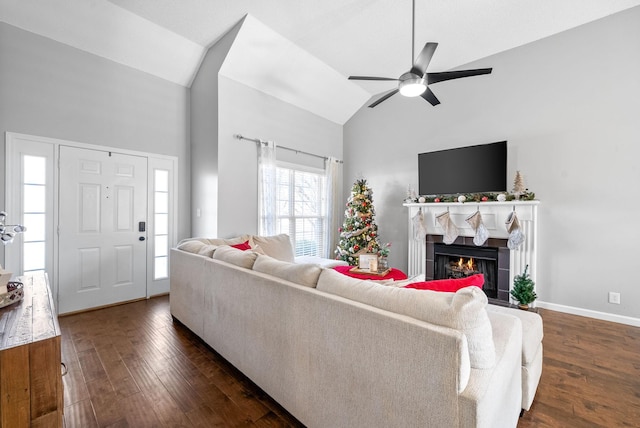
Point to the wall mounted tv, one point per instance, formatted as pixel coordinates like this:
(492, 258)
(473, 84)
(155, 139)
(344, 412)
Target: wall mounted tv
(472, 169)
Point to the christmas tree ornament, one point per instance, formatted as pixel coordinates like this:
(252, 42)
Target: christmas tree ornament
(450, 229)
(422, 199)
(462, 198)
(501, 197)
(481, 232)
(516, 237)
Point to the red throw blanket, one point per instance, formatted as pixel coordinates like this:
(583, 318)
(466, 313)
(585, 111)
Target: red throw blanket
(395, 274)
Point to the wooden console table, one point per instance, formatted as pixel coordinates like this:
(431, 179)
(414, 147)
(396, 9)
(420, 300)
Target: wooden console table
(31, 392)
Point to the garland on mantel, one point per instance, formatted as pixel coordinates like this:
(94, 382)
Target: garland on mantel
(519, 193)
(474, 197)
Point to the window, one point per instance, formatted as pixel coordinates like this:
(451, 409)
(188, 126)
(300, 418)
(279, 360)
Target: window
(29, 201)
(161, 218)
(301, 208)
(34, 212)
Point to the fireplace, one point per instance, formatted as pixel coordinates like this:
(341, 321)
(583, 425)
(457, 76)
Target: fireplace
(494, 215)
(463, 258)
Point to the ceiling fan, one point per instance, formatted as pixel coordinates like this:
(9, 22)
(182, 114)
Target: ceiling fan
(416, 81)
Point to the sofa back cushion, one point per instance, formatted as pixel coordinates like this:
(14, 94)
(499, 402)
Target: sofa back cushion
(241, 258)
(464, 310)
(278, 246)
(303, 274)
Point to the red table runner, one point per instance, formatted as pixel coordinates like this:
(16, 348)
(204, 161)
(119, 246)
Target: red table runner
(395, 274)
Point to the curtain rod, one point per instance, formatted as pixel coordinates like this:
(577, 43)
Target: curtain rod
(259, 141)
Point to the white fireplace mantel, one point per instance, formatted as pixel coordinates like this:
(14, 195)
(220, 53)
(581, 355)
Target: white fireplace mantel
(493, 214)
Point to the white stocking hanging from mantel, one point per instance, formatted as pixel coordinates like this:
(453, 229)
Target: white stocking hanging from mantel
(516, 237)
(481, 232)
(450, 229)
(419, 228)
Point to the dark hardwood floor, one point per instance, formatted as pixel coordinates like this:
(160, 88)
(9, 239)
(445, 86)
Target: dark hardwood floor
(590, 374)
(132, 366)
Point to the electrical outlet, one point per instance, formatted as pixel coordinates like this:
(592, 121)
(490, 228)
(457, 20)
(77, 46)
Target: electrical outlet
(614, 297)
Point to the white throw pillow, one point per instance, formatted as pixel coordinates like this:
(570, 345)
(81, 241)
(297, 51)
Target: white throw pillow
(191, 246)
(234, 256)
(278, 246)
(206, 246)
(303, 274)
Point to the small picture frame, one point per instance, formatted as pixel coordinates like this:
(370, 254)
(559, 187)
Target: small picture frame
(366, 260)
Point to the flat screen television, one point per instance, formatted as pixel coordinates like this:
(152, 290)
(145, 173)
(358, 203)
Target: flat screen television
(473, 169)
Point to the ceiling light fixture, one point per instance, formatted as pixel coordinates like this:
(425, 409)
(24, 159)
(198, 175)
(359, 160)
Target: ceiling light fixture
(411, 85)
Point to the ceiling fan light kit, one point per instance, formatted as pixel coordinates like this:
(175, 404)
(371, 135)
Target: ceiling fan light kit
(416, 81)
(411, 85)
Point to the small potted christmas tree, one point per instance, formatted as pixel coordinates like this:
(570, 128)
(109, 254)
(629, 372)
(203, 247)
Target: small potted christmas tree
(523, 289)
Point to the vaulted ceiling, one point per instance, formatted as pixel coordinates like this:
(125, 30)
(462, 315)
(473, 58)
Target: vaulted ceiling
(168, 38)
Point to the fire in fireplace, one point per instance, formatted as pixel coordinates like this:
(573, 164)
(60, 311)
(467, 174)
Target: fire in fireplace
(462, 268)
(458, 261)
(463, 259)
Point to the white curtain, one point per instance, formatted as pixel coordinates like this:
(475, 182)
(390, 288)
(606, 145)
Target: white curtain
(333, 169)
(267, 188)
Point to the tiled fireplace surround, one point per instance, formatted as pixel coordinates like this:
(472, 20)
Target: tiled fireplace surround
(494, 214)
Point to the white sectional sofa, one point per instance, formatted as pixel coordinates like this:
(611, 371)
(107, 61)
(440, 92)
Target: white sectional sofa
(340, 352)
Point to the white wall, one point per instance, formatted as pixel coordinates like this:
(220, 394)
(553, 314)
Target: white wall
(223, 168)
(254, 114)
(50, 89)
(204, 138)
(569, 107)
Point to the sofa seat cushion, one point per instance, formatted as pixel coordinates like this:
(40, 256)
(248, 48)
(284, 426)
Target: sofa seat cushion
(303, 274)
(532, 331)
(278, 246)
(464, 310)
(241, 258)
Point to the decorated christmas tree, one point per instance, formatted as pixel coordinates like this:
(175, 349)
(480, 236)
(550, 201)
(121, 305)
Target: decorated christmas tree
(359, 232)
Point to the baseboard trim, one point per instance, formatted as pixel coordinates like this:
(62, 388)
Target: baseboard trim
(621, 319)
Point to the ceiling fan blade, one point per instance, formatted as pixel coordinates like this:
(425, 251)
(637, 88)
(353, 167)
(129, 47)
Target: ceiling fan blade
(449, 75)
(430, 96)
(384, 97)
(370, 78)
(424, 58)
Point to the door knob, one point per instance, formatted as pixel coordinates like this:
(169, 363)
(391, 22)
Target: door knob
(141, 238)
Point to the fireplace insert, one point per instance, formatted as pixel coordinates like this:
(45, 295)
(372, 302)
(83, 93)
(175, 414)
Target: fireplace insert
(491, 259)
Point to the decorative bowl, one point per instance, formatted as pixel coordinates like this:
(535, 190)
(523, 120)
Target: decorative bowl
(15, 293)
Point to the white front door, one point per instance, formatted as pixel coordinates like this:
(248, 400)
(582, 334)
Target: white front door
(102, 218)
